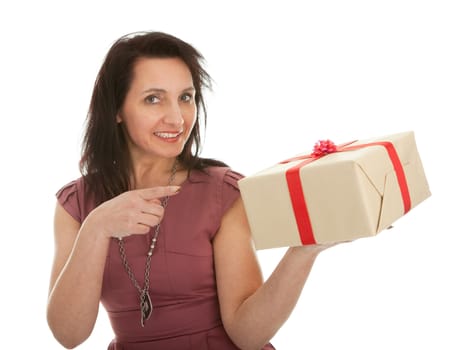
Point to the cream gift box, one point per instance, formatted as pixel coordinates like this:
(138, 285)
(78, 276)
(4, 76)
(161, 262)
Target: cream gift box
(356, 191)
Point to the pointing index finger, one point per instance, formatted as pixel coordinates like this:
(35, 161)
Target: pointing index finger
(158, 192)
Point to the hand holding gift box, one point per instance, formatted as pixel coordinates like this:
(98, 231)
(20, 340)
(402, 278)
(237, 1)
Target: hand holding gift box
(337, 193)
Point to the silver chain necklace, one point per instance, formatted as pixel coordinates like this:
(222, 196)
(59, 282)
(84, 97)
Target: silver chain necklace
(145, 303)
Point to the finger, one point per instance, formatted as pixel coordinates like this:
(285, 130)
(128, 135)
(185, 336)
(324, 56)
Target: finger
(153, 209)
(158, 192)
(137, 229)
(149, 220)
(120, 235)
(142, 229)
(143, 225)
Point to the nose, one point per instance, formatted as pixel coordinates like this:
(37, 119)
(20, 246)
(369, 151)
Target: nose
(174, 114)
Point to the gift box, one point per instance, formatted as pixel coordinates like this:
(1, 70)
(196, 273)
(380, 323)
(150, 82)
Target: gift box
(337, 193)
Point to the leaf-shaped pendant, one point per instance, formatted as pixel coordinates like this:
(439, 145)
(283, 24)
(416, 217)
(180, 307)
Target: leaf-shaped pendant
(146, 307)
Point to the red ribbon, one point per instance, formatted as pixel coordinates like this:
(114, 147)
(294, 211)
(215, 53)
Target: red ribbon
(297, 193)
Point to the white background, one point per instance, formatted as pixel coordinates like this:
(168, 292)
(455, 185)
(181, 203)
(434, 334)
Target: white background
(286, 75)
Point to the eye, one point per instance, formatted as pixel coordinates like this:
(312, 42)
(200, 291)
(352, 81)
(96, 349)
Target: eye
(152, 99)
(187, 97)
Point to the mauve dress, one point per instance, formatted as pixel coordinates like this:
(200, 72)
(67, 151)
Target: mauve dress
(186, 314)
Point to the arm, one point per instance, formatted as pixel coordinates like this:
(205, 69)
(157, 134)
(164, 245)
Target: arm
(252, 312)
(76, 279)
(80, 254)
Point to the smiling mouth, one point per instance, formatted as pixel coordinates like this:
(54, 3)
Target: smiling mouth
(168, 135)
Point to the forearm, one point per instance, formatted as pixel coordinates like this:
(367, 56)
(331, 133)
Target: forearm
(261, 315)
(74, 299)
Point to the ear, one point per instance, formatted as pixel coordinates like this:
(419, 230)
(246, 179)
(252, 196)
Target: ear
(118, 118)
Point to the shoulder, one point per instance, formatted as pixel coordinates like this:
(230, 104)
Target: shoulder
(227, 188)
(71, 197)
(70, 190)
(217, 185)
(216, 175)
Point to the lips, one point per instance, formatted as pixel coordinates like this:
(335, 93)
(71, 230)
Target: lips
(168, 134)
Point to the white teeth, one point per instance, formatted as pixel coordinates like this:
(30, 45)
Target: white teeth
(167, 135)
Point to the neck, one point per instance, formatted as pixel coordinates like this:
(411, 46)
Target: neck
(151, 174)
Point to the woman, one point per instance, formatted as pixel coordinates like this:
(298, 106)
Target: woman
(153, 231)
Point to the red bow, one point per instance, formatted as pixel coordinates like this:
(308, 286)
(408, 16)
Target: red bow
(323, 147)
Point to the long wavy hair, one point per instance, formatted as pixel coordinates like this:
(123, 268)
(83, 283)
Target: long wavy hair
(105, 161)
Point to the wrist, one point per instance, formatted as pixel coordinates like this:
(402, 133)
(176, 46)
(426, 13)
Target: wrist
(309, 251)
(94, 226)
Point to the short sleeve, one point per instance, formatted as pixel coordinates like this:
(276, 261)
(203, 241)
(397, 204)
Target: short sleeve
(68, 198)
(230, 189)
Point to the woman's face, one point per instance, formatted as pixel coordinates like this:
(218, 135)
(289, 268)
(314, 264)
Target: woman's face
(159, 110)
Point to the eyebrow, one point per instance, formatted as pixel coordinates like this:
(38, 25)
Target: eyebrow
(191, 88)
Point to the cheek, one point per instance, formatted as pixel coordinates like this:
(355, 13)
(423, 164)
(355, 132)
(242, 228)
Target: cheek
(138, 121)
(190, 118)
(191, 123)
(134, 130)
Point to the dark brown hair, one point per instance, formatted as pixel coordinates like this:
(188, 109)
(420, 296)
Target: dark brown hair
(105, 161)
